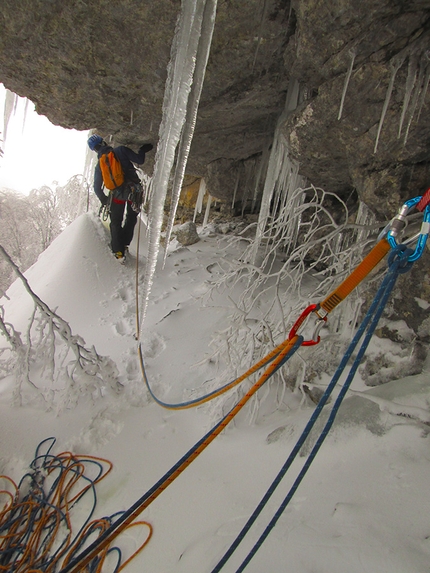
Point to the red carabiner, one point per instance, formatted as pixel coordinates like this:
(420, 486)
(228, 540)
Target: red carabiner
(300, 321)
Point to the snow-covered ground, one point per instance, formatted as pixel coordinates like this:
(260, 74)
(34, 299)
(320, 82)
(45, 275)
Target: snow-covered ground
(364, 504)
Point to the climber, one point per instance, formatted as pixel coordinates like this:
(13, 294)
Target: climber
(121, 233)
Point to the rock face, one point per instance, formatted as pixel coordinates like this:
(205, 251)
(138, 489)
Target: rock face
(103, 65)
(361, 126)
(387, 44)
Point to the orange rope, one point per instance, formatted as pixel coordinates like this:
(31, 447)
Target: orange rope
(30, 527)
(260, 364)
(287, 345)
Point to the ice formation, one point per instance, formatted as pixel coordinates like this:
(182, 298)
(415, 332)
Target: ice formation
(420, 91)
(352, 53)
(180, 77)
(207, 211)
(10, 102)
(395, 64)
(415, 89)
(282, 177)
(202, 56)
(199, 203)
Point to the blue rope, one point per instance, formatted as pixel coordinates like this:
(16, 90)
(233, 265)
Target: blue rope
(195, 401)
(35, 496)
(398, 263)
(126, 514)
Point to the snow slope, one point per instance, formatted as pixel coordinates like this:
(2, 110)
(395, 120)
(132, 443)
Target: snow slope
(364, 505)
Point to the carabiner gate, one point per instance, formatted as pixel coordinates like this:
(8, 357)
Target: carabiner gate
(302, 318)
(399, 221)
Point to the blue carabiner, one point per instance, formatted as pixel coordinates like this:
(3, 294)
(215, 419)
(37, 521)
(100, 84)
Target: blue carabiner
(424, 231)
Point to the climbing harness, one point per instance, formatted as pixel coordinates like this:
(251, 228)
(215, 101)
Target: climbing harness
(400, 260)
(133, 194)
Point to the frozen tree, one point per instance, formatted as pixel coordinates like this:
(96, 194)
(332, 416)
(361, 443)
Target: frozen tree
(74, 199)
(299, 263)
(17, 235)
(43, 205)
(28, 225)
(49, 362)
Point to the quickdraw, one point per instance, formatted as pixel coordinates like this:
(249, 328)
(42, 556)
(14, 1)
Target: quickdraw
(302, 319)
(387, 240)
(399, 222)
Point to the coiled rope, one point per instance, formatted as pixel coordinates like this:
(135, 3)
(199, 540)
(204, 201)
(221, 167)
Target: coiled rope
(36, 522)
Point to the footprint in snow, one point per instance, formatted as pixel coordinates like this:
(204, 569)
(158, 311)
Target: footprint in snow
(153, 345)
(122, 327)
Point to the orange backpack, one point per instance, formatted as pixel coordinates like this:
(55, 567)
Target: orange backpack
(112, 173)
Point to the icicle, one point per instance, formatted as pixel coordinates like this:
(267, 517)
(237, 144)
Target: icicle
(249, 167)
(89, 165)
(260, 33)
(276, 169)
(395, 65)
(410, 82)
(269, 186)
(24, 119)
(131, 117)
(261, 167)
(364, 218)
(352, 53)
(202, 55)
(292, 98)
(208, 208)
(425, 85)
(178, 85)
(236, 185)
(417, 92)
(9, 106)
(199, 203)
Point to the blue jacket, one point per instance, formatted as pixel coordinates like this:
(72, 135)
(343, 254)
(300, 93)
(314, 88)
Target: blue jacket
(127, 157)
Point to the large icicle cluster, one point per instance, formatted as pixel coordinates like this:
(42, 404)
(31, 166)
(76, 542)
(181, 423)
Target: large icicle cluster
(282, 180)
(190, 50)
(417, 57)
(417, 81)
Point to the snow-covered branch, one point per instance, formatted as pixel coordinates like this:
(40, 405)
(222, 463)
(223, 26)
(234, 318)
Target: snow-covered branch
(53, 359)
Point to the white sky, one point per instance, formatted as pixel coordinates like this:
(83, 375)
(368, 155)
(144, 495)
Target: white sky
(39, 154)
